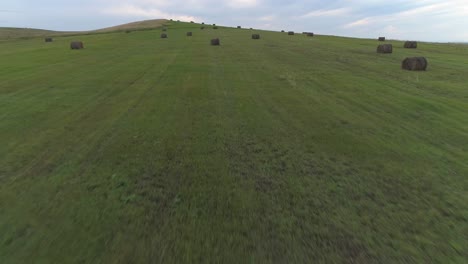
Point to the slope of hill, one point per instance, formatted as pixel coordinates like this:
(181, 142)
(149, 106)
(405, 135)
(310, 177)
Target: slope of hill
(286, 149)
(14, 33)
(140, 25)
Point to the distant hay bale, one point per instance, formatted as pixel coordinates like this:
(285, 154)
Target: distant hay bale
(214, 24)
(310, 34)
(203, 23)
(282, 31)
(239, 27)
(381, 38)
(76, 45)
(255, 36)
(411, 44)
(48, 39)
(163, 35)
(290, 33)
(215, 42)
(189, 34)
(385, 48)
(414, 64)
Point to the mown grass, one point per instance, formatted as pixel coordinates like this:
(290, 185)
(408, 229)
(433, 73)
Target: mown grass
(285, 149)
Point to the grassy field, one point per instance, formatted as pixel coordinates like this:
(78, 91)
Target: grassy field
(287, 149)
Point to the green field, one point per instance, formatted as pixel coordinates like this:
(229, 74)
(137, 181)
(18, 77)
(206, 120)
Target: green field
(287, 149)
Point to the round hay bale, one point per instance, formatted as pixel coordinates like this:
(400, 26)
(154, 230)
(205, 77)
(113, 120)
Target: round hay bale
(381, 38)
(163, 35)
(414, 64)
(215, 42)
(385, 48)
(189, 34)
(411, 45)
(48, 40)
(310, 34)
(290, 33)
(255, 36)
(76, 45)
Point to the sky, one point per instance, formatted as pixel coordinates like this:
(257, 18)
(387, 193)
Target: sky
(424, 20)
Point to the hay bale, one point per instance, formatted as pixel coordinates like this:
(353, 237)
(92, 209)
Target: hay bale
(414, 64)
(239, 27)
(282, 31)
(385, 48)
(48, 40)
(381, 38)
(411, 45)
(189, 34)
(255, 36)
(76, 45)
(310, 34)
(203, 23)
(163, 35)
(290, 33)
(215, 42)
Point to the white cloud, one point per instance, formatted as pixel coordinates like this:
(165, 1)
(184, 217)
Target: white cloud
(242, 3)
(358, 23)
(325, 12)
(136, 11)
(267, 18)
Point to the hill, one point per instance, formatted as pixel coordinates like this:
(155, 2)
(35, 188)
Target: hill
(14, 33)
(286, 149)
(139, 25)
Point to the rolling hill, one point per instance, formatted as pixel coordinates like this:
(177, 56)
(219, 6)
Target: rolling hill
(15, 33)
(286, 149)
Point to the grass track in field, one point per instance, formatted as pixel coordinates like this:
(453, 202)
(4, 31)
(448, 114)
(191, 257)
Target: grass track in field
(283, 149)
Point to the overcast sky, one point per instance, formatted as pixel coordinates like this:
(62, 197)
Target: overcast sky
(428, 20)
